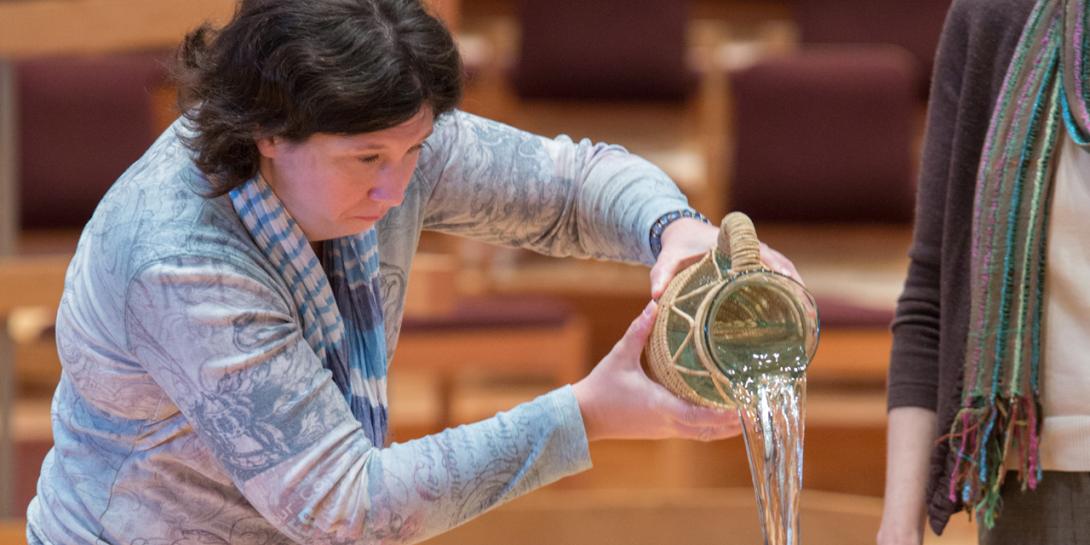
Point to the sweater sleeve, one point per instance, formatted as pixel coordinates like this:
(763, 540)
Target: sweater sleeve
(931, 324)
(554, 196)
(932, 313)
(225, 347)
(914, 361)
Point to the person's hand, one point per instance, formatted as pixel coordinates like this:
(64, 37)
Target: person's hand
(686, 240)
(887, 537)
(900, 528)
(619, 401)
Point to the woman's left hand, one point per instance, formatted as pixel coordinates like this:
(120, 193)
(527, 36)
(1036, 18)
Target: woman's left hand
(686, 240)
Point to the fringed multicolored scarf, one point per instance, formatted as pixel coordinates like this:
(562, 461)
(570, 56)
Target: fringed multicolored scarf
(341, 315)
(1045, 90)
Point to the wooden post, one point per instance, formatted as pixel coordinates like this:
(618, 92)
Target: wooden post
(9, 224)
(9, 190)
(7, 466)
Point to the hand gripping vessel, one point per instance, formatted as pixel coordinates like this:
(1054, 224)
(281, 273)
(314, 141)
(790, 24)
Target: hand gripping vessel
(727, 320)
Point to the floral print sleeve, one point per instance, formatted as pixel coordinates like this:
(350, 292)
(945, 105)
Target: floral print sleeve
(554, 196)
(230, 357)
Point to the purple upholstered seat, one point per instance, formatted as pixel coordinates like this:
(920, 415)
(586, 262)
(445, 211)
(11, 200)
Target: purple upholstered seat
(912, 24)
(606, 49)
(837, 312)
(81, 122)
(825, 135)
(29, 454)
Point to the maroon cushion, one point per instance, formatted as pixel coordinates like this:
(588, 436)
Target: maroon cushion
(82, 121)
(606, 49)
(495, 312)
(914, 25)
(825, 134)
(29, 455)
(836, 312)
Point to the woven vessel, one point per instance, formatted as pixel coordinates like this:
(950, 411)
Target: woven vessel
(720, 318)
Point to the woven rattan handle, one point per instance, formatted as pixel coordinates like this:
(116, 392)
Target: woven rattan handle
(738, 238)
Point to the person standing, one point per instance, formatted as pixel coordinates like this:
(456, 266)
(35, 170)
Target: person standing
(989, 368)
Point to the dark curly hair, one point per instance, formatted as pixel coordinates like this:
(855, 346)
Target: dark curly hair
(293, 68)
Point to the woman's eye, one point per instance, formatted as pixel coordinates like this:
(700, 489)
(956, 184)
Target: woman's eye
(369, 159)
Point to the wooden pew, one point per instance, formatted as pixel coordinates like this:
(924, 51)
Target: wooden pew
(31, 281)
(447, 336)
(24, 282)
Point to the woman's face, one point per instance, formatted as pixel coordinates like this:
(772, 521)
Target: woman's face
(340, 185)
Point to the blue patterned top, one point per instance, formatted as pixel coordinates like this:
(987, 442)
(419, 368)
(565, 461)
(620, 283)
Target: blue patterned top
(192, 410)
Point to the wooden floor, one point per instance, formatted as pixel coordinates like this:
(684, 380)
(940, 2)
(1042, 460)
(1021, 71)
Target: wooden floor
(694, 517)
(620, 517)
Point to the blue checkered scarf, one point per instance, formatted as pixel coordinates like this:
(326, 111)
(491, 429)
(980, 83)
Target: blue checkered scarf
(341, 315)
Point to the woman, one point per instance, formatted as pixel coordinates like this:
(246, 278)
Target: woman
(230, 311)
(988, 377)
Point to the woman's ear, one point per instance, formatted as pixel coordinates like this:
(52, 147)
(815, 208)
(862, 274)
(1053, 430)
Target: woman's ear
(268, 146)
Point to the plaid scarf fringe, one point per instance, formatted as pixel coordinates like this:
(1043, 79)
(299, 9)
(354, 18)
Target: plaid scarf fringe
(982, 438)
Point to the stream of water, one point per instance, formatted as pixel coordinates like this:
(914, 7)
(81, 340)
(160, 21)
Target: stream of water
(772, 409)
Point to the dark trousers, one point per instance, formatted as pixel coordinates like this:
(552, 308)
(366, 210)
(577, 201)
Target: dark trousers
(1056, 513)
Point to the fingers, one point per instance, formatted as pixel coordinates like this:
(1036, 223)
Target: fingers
(695, 415)
(665, 270)
(691, 421)
(660, 277)
(709, 433)
(631, 345)
(778, 262)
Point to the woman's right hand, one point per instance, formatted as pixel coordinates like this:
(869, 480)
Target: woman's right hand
(619, 401)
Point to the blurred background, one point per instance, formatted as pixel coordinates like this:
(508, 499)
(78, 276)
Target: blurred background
(806, 114)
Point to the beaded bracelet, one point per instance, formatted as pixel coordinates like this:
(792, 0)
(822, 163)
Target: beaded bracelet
(666, 219)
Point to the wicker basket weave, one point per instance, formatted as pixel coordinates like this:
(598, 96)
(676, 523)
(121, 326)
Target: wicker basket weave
(684, 367)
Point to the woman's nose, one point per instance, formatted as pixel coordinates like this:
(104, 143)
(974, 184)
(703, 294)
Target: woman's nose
(386, 195)
(390, 188)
